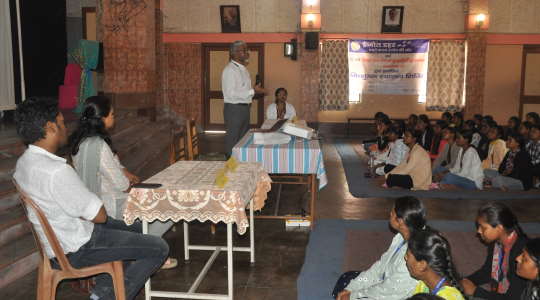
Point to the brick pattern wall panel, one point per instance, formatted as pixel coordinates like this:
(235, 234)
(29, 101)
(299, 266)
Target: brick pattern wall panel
(309, 83)
(182, 92)
(475, 77)
(129, 47)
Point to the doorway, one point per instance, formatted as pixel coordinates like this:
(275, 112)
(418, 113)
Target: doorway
(215, 58)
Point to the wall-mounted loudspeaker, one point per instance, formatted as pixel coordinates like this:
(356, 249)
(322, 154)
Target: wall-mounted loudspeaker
(311, 40)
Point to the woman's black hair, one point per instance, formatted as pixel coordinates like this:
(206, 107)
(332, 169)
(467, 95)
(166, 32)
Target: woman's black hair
(279, 90)
(379, 115)
(471, 124)
(416, 134)
(467, 134)
(488, 118)
(535, 116)
(438, 138)
(478, 117)
(429, 245)
(518, 138)
(500, 131)
(516, 121)
(395, 129)
(446, 115)
(91, 123)
(527, 124)
(496, 213)
(425, 296)
(533, 288)
(414, 117)
(411, 210)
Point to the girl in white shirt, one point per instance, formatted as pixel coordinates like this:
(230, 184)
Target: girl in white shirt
(388, 278)
(97, 164)
(281, 109)
(467, 173)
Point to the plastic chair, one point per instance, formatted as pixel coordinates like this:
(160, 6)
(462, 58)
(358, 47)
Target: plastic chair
(49, 278)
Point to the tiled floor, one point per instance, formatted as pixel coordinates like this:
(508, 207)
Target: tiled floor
(279, 253)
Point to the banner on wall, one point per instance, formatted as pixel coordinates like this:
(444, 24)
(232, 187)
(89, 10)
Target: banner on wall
(397, 67)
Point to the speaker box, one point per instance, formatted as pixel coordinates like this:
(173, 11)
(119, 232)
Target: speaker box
(312, 40)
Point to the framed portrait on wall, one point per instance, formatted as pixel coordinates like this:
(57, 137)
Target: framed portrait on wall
(230, 18)
(392, 19)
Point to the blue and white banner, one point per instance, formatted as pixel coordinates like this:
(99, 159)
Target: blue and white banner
(397, 67)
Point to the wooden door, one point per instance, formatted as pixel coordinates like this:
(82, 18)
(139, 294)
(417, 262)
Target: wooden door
(215, 58)
(530, 80)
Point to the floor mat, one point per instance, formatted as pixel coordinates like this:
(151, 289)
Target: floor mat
(336, 246)
(355, 166)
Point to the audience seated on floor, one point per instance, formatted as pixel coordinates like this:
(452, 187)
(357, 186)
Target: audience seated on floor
(414, 172)
(429, 260)
(515, 171)
(467, 173)
(477, 118)
(379, 151)
(388, 278)
(99, 167)
(471, 125)
(483, 145)
(438, 142)
(280, 109)
(397, 151)
(411, 122)
(497, 149)
(528, 267)
(378, 118)
(533, 148)
(498, 227)
(424, 126)
(77, 216)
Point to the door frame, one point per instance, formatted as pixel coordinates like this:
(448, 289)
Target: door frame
(524, 99)
(205, 82)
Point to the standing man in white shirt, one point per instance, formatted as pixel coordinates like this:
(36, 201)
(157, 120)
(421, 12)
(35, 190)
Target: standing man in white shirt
(237, 94)
(76, 215)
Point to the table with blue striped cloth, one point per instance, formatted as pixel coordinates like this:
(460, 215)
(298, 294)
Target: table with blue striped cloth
(299, 156)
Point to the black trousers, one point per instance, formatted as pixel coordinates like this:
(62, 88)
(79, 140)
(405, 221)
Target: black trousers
(388, 168)
(343, 282)
(404, 181)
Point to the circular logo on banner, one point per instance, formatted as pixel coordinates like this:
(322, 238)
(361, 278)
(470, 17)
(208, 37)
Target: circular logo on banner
(355, 46)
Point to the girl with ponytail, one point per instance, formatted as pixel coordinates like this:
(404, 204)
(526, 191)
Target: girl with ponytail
(528, 267)
(429, 260)
(98, 166)
(388, 278)
(498, 227)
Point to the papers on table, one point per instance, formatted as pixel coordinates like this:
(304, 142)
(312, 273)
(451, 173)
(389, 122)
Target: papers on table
(270, 138)
(297, 130)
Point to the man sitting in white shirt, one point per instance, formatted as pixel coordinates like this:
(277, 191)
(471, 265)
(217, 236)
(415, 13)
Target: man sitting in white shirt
(281, 109)
(76, 215)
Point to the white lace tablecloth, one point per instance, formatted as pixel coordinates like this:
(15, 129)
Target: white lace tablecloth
(188, 193)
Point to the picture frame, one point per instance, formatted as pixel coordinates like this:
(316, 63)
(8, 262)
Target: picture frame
(230, 18)
(392, 19)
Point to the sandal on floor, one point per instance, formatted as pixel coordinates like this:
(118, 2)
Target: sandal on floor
(170, 263)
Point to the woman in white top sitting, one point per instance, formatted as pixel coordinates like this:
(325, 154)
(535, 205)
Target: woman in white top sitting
(388, 278)
(98, 166)
(280, 109)
(467, 172)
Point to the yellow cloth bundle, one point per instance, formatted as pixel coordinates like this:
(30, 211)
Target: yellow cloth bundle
(231, 164)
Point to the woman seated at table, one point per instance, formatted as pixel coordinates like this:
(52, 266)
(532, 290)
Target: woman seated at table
(99, 167)
(414, 172)
(515, 172)
(528, 267)
(497, 149)
(429, 260)
(281, 109)
(388, 277)
(467, 173)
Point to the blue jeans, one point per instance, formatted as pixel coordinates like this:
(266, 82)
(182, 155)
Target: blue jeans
(114, 240)
(459, 181)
